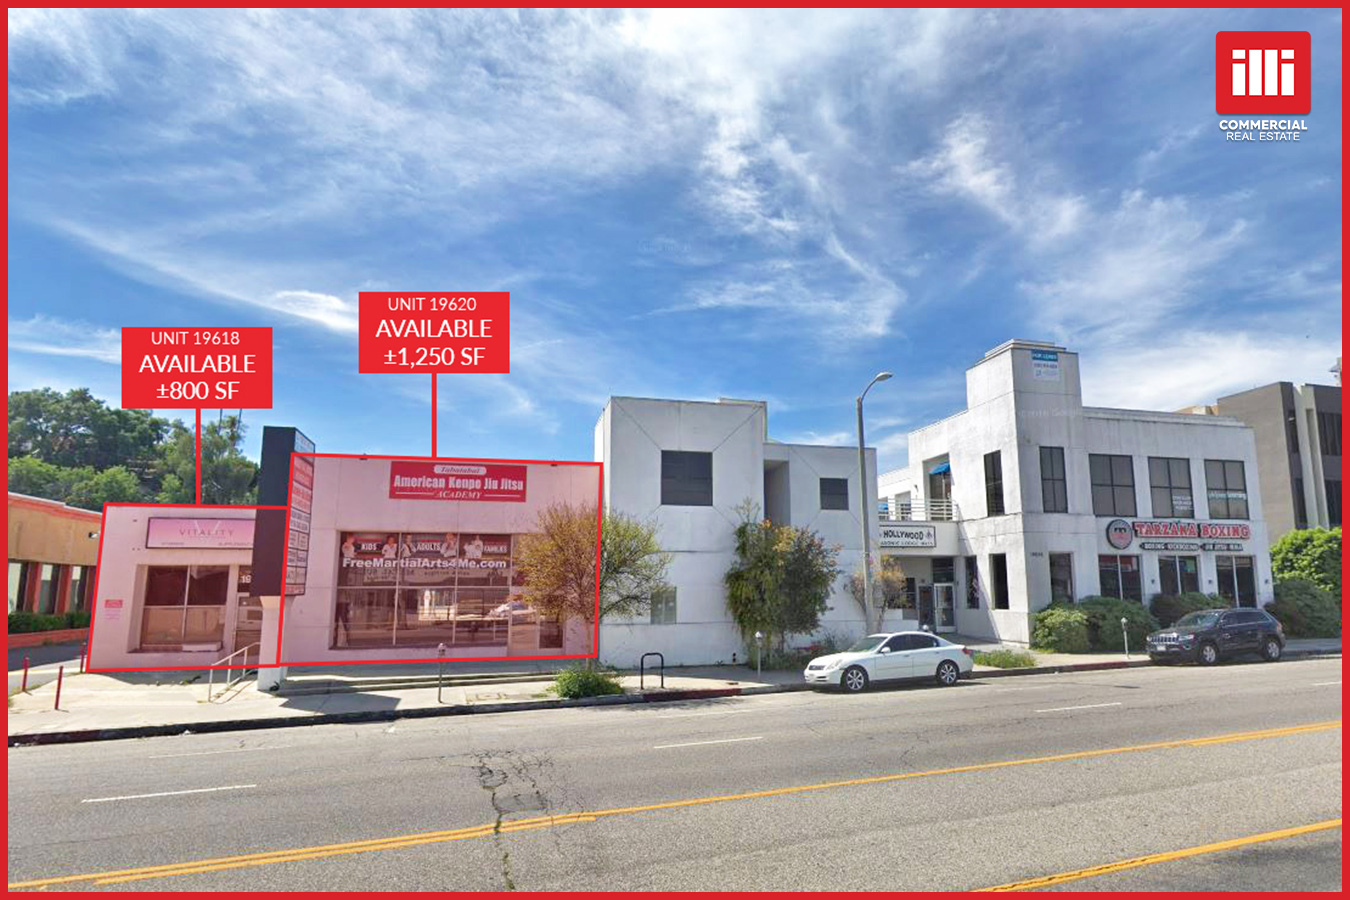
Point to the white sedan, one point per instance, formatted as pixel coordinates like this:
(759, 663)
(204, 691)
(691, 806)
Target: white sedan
(894, 656)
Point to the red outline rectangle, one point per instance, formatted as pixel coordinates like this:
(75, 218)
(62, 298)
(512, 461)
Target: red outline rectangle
(599, 524)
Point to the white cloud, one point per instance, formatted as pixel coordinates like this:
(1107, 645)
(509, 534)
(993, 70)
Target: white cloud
(57, 337)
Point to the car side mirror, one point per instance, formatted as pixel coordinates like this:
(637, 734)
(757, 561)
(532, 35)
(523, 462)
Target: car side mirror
(885, 650)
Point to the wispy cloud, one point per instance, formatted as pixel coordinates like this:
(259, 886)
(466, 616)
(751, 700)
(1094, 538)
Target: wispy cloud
(48, 336)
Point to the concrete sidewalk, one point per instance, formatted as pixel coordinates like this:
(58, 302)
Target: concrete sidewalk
(125, 705)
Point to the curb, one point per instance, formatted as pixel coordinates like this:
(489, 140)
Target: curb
(390, 715)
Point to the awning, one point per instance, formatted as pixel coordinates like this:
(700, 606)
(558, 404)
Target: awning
(941, 469)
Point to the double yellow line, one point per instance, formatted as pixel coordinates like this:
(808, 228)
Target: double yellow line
(480, 831)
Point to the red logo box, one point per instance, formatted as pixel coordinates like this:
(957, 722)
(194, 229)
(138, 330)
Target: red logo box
(195, 368)
(1263, 73)
(444, 480)
(434, 332)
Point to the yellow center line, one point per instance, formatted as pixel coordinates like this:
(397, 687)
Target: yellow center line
(1032, 884)
(488, 830)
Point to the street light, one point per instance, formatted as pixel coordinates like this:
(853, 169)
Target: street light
(867, 506)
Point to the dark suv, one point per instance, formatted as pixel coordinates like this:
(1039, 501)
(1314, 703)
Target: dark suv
(1210, 635)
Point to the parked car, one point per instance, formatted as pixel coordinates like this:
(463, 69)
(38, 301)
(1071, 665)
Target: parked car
(895, 656)
(1210, 635)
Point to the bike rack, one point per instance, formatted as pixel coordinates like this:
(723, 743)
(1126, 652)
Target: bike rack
(642, 668)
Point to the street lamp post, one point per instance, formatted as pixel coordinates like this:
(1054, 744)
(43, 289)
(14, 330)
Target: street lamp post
(867, 508)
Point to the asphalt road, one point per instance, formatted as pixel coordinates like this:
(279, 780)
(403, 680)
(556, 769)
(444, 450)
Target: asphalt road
(43, 662)
(993, 782)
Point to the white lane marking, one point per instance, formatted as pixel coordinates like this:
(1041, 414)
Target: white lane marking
(213, 752)
(698, 715)
(1324, 683)
(1067, 708)
(231, 787)
(702, 743)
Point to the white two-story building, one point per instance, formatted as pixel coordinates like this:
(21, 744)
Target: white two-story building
(690, 467)
(1027, 496)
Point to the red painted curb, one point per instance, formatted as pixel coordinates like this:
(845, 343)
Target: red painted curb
(38, 638)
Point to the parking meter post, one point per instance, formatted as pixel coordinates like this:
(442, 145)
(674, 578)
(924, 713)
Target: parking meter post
(759, 653)
(1125, 633)
(24, 686)
(440, 671)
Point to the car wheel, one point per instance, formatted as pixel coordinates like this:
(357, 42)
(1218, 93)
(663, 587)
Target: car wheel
(854, 680)
(1207, 655)
(948, 673)
(1270, 650)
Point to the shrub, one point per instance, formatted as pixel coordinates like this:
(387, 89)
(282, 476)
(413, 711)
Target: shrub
(1313, 554)
(1060, 629)
(28, 622)
(1167, 608)
(1305, 610)
(579, 681)
(1005, 659)
(798, 657)
(1103, 622)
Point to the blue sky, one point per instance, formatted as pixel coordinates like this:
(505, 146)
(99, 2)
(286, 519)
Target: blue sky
(692, 204)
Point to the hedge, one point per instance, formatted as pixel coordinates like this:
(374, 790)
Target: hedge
(1060, 629)
(1103, 622)
(29, 622)
(1167, 608)
(1305, 610)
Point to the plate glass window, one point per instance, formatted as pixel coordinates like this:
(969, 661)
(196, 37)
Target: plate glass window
(1112, 485)
(1237, 579)
(1226, 484)
(686, 478)
(1054, 483)
(1170, 487)
(1178, 574)
(1119, 577)
(834, 493)
(184, 605)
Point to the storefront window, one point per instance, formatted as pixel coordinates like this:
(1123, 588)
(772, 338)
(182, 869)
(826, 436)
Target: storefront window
(1178, 574)
(1237, 579)
(425, 589)
(1119, 577)
(184, 605)
(1226, 484)
(18, 584)
(1061, 578)
(47, 588)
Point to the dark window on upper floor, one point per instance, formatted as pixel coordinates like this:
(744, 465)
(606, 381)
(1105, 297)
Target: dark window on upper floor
(1169, 480)
(993, 483)
(1226, 485)
(834, 493)
(1112, 485)
(1329, 433)
(686, 478)
(1054, 483)
(1333, 502)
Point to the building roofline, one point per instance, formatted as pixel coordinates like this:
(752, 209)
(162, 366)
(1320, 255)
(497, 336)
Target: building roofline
(56, 506)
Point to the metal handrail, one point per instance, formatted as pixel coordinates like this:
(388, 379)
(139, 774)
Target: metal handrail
(922, 511)
(229, 682)
(642, 669)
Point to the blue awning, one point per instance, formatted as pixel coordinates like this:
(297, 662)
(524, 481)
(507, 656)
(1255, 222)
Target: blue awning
(941, 469)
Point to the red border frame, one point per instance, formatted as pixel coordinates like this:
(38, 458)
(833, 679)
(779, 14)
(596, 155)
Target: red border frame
(599, 524)
(98, 575)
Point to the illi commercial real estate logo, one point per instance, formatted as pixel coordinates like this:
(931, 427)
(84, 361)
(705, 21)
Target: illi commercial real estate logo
(1263, 73)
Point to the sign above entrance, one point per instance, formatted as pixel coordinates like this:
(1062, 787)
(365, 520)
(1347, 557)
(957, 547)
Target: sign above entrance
(205, 534)
(895, 535)
(473, 481)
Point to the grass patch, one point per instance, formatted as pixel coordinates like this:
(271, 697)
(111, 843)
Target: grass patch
(1005, 659)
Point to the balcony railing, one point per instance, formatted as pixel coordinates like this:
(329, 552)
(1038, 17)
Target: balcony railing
(923, 511)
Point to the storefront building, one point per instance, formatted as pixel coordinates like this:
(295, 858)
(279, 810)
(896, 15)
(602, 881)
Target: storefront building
(1028, 497)
(53, 551)
(694, 469)
(402, 556)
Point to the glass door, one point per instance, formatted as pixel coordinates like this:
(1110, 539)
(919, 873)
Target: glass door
(944, 600)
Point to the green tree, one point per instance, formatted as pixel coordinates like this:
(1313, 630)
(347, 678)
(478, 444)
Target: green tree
(781, 580)
(116, 484)
(1313, 554)
(559, 567)
(76, 429)
(227, 475)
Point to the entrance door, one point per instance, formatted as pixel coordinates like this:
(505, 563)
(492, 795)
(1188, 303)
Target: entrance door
(927, 612)
(944, 599)
(248, 626)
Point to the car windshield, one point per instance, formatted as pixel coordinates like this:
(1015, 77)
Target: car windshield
(867, 644)
(1197, 620)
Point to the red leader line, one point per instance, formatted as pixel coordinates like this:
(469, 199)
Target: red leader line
(98, 573)
(286, 557)
(199, 457)
(433, 414)
(599, 548)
